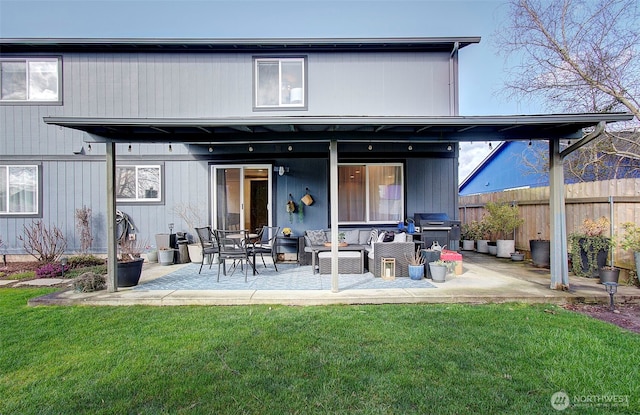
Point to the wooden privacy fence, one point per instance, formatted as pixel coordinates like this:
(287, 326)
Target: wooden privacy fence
(617, 200)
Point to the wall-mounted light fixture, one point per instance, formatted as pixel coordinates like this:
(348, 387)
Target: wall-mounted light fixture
(290, 148)
(370, 147)
(210, 149)
(410, 147)
(281, 170)
(129, 149)
(170, 148)
(89, 147)
(250, 149)
(449, 148)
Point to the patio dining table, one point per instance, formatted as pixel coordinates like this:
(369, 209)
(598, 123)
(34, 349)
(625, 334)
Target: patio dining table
(248, 238)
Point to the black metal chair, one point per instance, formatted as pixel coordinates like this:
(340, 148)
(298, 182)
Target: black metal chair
(265, 244)
(208, 243)
(234, 245)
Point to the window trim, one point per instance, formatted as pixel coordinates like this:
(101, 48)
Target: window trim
(27, 59)
(150, 201)
(367, 220)
(280, 60)
(39, 191)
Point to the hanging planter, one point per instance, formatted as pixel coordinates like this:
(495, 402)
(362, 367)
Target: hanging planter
(291, 208)
(307, 199)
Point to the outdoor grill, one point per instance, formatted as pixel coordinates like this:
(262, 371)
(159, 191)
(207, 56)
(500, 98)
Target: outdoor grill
(438, 227)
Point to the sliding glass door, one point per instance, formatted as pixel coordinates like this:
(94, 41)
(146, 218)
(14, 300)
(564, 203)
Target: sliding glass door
(241, 196)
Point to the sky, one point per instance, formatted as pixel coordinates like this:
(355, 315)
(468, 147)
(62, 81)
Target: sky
(482, 71)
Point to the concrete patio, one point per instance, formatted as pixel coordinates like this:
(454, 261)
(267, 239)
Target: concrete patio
(485, 279)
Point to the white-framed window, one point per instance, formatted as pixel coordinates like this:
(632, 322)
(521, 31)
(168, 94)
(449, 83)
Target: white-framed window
(19, 189)
(370, 193)
(30, 80)
(141, 183)
(280, 83)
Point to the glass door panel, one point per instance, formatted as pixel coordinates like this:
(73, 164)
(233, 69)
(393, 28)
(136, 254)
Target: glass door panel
(242, 197)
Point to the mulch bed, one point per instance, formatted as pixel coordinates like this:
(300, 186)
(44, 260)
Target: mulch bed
(626, 316)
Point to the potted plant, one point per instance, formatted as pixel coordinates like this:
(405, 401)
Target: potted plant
(540, 251)
(503, 219)
(469, 233)
(286, 232)
(630, 241)
(483, 236)
(129, 266)
(438, 270)
(608, 274)
(192, 215)
(589, 247)
(416, 265)
(517, 256)
(166, 255)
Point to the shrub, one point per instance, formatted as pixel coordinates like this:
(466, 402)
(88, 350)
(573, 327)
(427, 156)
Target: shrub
(23, 275)
(85, 260)
(51, 270)
(83, 218)
(43, 244)
(89, 282)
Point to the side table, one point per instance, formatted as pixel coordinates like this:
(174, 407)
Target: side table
(291, 241)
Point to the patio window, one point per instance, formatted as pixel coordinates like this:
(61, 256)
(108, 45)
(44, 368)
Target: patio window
(19, 190)
(138, 183)
(279, 83)
(370, 193)
(30, 80)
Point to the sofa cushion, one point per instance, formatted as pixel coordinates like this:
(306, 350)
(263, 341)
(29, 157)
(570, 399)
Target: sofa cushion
(400, 237)
(352, 236)
(317, 237)
(373, 236)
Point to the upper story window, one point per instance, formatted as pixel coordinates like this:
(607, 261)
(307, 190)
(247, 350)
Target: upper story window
(19, 189)
(138, 183)
(280, 83)
(30, 80)
(370, 193)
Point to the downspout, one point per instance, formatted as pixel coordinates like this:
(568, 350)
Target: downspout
(453, 84)
(559, 251)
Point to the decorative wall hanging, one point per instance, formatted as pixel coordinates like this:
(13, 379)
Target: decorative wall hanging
(291, 207)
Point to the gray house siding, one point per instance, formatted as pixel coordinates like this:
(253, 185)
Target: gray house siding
(175, 85)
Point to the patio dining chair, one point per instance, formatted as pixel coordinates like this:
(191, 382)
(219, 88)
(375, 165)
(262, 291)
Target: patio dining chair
(266, 244)
(208, 243)
(233, 245)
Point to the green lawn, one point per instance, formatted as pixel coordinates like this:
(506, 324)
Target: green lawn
(390, 359)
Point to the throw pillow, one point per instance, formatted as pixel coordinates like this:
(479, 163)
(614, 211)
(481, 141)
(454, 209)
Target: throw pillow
(381, 236)
(388, 236)
(373, 236)
(317, 237)
(400, 237)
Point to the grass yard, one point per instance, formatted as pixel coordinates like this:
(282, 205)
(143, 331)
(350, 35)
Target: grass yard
(390, 359)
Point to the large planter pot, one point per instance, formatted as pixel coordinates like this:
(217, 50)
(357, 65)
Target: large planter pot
(540, 252)
(482, 245)
(128, 273)
(609, 275)
(505, 247)
(152, 256)
(438, 272)
(492, 248)
(600, 260)
(429, 255)
(195, 253)
(416, 272)
(467, 245)
(166, 256)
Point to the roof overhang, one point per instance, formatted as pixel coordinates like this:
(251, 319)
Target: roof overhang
(181, 45)
(325, 128)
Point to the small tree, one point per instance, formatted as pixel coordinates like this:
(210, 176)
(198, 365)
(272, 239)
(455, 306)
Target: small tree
(44, 244)
(83, 218)
(503, 219)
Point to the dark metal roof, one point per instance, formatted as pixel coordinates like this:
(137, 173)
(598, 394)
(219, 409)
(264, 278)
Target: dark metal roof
(346, 128)
(295, 45)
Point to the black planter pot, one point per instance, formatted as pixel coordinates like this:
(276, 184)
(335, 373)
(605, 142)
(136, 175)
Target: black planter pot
(540, 252)
(601, 260)
(129, 272)
(609, 275)
(429, 256)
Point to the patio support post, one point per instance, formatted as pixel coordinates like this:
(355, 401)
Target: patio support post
(559, 252)
(112, 285)
(333, 187)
